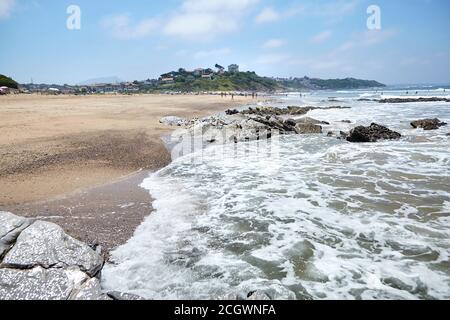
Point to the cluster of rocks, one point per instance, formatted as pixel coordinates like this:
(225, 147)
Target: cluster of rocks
(409, 100)
(38, 261)
(428, 124)
(264, 122)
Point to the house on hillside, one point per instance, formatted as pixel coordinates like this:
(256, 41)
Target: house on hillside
(198, 72)
(208, 76)
(167, 80)
(4, 90)
(233, 68)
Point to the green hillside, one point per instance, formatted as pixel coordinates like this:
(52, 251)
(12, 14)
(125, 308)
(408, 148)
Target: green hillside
(8, 82)
(242, 81)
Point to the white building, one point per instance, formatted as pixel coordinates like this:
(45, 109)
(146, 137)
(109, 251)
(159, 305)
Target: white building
(233, 68)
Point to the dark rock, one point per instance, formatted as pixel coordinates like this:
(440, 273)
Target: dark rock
(408, 100)
(428, 124)
(373, 133)
(346, 121)
(343, 135)
(258, 296)
(231, 112)
(115, 295)
(290, 122)
(330, 134)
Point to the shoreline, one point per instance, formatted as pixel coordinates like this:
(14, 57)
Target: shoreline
(88, 180)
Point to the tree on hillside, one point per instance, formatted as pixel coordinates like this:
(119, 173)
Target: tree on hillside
(8, 82)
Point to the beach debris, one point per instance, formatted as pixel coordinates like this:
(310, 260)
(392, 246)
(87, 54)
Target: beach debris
(428, 124)
(373, 133)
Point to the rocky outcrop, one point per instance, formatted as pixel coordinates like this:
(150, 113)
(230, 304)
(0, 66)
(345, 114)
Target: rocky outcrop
(428, 124)
(373, 133)
(409, 100)
(38, 261)
(10, 228)
(173, 121)
(45, 244)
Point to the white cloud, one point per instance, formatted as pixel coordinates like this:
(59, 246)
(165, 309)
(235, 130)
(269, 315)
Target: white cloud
(321, 37)
(269, 14)
(123, 28)
(366, 39)
(6, 7)
(274, 43)
(207, 18)
(212, 53)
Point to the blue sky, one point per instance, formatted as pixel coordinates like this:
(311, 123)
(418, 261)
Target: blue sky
(137, 39)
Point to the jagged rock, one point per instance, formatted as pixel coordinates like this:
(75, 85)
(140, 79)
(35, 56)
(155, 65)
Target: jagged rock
(307, 120)
(173, 121)
(330, 134)
(428, 124)
(91, 290)
(343, 135)
(307, 128)
(258, 296)
(115, 295)
(45, 244)
(10, 228)
(372, 134)
(39, 284)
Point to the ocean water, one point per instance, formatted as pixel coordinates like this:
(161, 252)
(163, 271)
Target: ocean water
(302, 217)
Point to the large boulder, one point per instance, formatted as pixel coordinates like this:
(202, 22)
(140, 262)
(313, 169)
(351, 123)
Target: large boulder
(307, 128)
(373, 133)
(45, 244)
(428, 124)
(39, 284)
(10, 228)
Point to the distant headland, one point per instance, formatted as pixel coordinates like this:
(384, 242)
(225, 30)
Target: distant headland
(217, 79)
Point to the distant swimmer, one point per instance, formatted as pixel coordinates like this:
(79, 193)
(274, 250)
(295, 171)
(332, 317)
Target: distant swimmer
(417, 92)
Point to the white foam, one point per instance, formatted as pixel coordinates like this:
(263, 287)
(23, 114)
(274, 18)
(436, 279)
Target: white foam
(341, 220)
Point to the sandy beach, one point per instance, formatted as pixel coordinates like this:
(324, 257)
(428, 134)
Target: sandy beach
(66, 158)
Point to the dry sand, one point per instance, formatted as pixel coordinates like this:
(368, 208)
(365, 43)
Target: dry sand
(55, 148)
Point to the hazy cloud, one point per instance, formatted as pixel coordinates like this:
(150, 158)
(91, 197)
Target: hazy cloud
(6, 7)
(269, 14)
(274, 43)
(122, 27)
(207, 18)
(322, 36)
(218, 53)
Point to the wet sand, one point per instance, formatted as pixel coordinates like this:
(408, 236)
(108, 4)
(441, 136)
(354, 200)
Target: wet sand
(64, 158)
